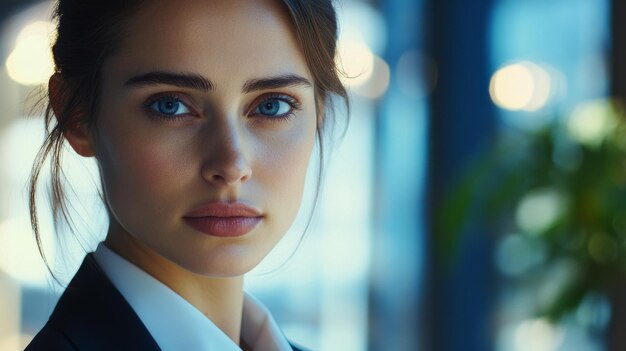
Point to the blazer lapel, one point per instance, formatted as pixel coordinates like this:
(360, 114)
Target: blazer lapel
(95, 316)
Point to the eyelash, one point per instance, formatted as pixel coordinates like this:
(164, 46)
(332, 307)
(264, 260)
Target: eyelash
(160, 116)
(290, 100)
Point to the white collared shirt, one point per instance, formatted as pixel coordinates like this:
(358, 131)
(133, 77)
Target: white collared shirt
(174, 323)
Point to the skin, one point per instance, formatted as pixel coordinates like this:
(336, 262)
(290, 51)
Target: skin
(155, 170)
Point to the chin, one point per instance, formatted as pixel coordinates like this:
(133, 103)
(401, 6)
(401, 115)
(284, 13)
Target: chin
(222, 263)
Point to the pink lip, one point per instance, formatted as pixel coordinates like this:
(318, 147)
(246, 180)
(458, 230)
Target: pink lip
(224, 219)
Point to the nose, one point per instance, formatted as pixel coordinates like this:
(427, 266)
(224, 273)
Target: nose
(225, 163)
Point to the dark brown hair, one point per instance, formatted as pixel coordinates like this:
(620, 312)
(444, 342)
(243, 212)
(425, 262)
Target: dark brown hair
(89, 32)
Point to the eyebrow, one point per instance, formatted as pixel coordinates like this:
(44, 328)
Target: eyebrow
(199, 82)
(288, 80)
(184, 80)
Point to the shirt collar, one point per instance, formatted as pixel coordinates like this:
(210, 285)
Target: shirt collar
(174, 323)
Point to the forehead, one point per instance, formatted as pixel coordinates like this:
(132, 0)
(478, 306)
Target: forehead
(228, 41)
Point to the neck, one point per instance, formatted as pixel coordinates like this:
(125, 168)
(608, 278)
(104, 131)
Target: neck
(219, 299)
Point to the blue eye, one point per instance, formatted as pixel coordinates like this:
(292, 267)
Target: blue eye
(169, 106)
(273, 108)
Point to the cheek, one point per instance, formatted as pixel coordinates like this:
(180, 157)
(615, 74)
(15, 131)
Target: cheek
(136, 167)
(283, 166)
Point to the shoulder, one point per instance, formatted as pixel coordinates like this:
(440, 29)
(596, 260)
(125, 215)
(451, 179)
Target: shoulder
(51, 339)
(93, 315)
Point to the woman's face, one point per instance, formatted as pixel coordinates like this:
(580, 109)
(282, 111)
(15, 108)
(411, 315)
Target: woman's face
(205, 104)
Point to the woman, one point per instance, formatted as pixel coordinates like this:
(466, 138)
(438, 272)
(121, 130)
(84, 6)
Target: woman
(202, 116)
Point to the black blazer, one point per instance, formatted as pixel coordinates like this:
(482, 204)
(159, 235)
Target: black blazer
(93, 315)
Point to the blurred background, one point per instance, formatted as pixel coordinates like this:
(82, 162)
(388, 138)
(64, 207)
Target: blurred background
(476, 202)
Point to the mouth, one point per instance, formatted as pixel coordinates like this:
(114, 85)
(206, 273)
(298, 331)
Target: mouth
(224, 219)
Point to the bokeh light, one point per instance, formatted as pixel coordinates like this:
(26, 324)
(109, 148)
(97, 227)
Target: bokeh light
(603, 248)
(538, 210)
(356, 61)
(516, 253)
(378, 81)
(592, 121)
(30, 62)
(19, 257)
(362, 39)
(521, 86)
(538, 335)
(362, 22)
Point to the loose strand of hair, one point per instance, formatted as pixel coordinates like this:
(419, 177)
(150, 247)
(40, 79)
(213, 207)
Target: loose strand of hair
(44, 152)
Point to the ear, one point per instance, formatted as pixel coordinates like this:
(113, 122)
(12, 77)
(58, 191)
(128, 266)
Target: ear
(76, 132)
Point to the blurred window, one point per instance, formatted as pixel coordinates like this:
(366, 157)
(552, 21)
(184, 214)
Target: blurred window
(548, 58)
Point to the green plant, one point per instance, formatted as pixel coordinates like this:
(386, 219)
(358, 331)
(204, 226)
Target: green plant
(562, 187)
